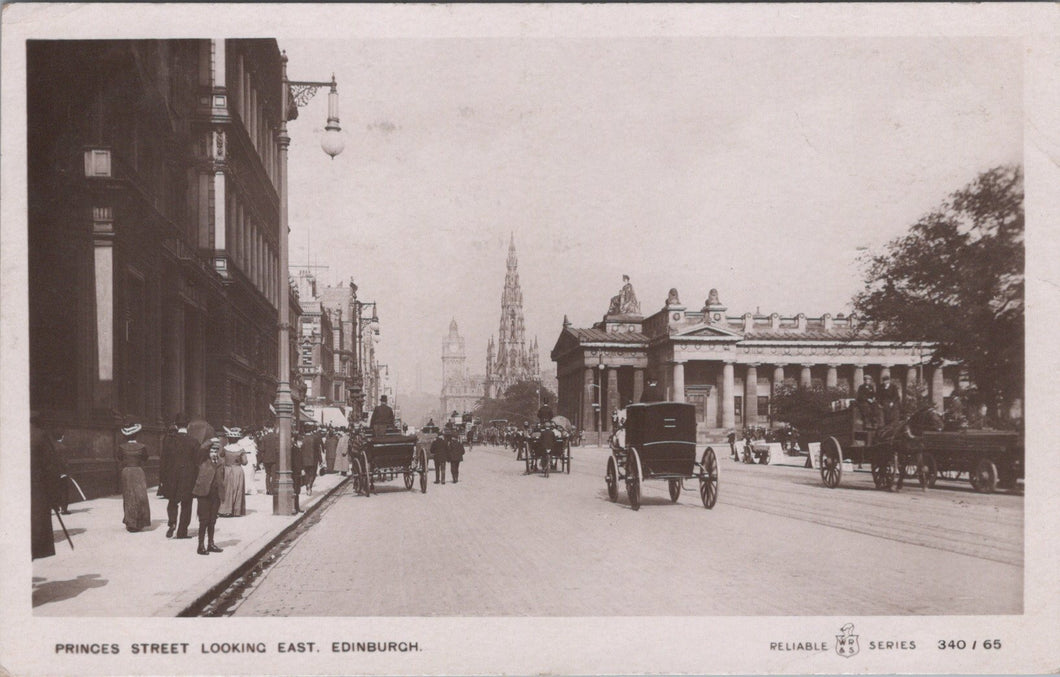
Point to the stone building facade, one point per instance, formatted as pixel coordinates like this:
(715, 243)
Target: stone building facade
(729, 366)
(511, 359)
(460, 390)
(153, 228)
(316, 344)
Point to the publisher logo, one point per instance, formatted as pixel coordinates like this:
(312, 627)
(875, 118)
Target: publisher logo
(846, 644)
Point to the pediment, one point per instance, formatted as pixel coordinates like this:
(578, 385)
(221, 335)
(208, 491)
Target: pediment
(707, 331)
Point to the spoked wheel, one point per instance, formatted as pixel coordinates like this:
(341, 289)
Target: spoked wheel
(633, 479)
(566, 459)
(423, 471)
(409, 480)
(675, 490)
(529, 463)
(360, 477)
(832, 462)
(612, 480)
(708, 481)
(931, 471)
(984, 477)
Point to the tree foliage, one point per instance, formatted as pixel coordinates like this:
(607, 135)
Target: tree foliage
(804, 407)
(519, 403)
(956, 279)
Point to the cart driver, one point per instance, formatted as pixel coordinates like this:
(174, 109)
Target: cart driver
(382, 417)
(544, 414)
(867, 403)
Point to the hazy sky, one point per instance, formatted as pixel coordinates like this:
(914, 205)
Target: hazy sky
(756, 166)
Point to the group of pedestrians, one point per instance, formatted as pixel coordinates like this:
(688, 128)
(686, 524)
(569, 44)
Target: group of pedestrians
(447, 448)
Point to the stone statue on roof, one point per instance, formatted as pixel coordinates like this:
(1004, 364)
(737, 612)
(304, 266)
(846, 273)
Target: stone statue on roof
(625, 302)
(672, 299)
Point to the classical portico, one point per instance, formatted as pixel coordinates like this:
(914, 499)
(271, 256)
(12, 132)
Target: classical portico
(729, 366)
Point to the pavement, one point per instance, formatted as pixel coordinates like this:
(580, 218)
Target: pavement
(112, 572)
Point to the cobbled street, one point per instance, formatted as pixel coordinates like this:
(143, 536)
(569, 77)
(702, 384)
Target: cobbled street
(776, 543)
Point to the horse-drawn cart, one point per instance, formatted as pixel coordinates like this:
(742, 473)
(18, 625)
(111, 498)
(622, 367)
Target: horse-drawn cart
(893, 451)
(548, 449)
(660, 444)
(384, 458)
(991, 458)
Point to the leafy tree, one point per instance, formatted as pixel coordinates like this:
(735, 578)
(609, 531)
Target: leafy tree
(956, 279)
(519, 403)
(803, 407)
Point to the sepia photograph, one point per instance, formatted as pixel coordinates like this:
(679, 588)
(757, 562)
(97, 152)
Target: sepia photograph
(542, 339)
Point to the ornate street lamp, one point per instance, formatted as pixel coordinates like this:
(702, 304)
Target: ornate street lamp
(294, 95)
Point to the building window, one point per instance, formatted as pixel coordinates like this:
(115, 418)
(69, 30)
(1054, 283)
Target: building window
(763, 405)
(739, 409)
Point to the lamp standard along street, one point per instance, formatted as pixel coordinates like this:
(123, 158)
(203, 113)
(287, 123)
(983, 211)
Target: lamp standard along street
(294, 94)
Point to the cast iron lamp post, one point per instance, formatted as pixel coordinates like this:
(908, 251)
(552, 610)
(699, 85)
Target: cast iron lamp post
(296, 93)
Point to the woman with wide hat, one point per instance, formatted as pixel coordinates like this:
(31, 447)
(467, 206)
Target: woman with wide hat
(133, 480)
(233, 498)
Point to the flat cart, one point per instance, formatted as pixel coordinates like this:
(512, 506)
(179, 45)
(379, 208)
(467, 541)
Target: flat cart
(386, 457)
(756, 451)
(547, 449)
(894, 452)
(989, 458)
(660, 444)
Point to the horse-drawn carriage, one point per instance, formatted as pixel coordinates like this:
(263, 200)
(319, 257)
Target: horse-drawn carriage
(547, 448)
(893, 451)
(384, 456)
(660, 444)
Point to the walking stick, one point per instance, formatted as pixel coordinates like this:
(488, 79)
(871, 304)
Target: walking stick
(76, 486)
(65, 532)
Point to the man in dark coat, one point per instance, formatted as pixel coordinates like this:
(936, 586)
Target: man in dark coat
(455, 452)
(209, 483)
(312, 447)
(890, 400)
(179, 472)
(544, 413)
(331, 445)
(652, 393)
(868, 404)
(440, 453)
(270, 456)
(382, 417)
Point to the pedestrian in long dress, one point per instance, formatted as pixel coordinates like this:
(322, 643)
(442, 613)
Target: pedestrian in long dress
(44, 480)
(331, 445)
(137, 509)
(182, 452)
(311, 455)
(342, 458)
(209, 483)
(250, 470)
(233, 496)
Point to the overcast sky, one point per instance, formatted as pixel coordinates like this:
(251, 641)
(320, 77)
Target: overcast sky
(756, 166)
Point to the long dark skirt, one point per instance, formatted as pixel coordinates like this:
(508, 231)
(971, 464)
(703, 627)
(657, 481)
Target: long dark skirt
(134, 495)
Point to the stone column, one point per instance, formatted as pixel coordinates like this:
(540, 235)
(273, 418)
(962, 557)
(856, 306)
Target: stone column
(612, 396)
(805, 377)
(728, 404)
(638, 383)
(588, 397)
(832, 379)
(910, 380)
(679, 382)
(937, 385)
(750, 396)
(778, 378)
(859, 376)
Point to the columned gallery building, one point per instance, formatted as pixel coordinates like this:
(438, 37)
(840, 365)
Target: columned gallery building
(729, 366)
